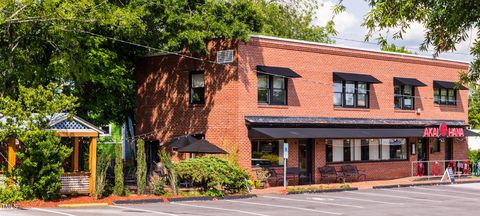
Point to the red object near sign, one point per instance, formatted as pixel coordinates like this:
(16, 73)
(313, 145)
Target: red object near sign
(443, 131)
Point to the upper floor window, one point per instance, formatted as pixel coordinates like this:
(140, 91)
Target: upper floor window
(404, 97)
(272, 89)
(350, 93)
(444, 96)
(197, 88)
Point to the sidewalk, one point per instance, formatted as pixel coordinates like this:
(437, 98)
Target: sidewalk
(362, 185)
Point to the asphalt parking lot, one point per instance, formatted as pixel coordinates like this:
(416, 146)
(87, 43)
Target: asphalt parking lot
(427, 200)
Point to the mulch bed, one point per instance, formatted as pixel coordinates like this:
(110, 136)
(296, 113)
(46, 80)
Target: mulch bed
(82, 200)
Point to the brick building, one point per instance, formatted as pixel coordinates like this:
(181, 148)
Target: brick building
(333, 105)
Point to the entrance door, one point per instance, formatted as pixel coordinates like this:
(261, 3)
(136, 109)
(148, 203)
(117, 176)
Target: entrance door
(449, 149)
(305, 160)
(422, 152)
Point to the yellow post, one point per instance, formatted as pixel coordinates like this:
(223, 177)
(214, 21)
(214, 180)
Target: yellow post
(92, 163)
(76, 146)
(12, 158)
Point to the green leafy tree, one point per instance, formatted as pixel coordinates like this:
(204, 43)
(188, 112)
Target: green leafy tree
(447, 23)
(88, 46)
(474, 107)
(141, 167)
(394, 48)
(42, 153)
(119, 187)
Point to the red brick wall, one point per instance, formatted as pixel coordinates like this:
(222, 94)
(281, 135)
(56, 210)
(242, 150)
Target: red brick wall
(162, 107)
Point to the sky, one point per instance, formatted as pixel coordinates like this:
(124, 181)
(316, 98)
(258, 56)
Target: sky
(351, 33)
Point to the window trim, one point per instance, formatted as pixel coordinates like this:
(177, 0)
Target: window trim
(271, 90)
(446, 101)
(190, 88)
(403, 96)
(355, 94)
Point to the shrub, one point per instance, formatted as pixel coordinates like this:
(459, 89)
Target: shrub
(158, 186)
(10, 195)
(141, 167)
(119, 187)
(102, 166)
(473, 155)
(211, 172)
(172, 176)
(41, 164)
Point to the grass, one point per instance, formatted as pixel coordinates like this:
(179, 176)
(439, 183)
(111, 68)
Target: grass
(319, 187)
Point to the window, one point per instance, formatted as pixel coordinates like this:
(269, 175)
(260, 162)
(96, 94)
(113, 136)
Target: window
(272, 89)
(444, 96)
(197, 88)
(350, 94)
(267, 152)
(345, 150)
(404, 97)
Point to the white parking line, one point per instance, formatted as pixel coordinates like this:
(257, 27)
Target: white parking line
(430, 194)
(222, 209)
(144, 210)
(283, 206)
(325, 203)
(363, 200)
(51, 211)
(451, 191)
(393, 196)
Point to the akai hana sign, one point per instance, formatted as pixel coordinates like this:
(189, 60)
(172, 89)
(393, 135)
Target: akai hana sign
(443, 131)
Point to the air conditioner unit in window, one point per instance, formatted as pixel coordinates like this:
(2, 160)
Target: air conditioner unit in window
(225, 56)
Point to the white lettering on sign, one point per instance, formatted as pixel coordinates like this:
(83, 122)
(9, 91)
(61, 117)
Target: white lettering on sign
(443, 131)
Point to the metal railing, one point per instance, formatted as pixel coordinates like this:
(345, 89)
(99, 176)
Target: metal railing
(436, 168)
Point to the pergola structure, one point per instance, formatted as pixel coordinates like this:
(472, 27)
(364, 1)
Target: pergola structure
(76, 181)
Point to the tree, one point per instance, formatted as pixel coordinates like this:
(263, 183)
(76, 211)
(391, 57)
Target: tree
(474, 107)
(118, 188)
(394, 48)
(42, 154)
(88, 47)
(447, 23)
(141, 167)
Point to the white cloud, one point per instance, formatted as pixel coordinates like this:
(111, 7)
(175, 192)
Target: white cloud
(343, 21)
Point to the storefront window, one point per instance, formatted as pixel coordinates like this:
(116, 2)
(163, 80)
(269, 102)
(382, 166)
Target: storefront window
(344, 150)
(267, 152)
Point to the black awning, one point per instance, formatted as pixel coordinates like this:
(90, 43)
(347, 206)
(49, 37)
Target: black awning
(355, 77)
(407, 81)
(202, 146)
(447, 85)
(470, 133)
(277, 71)
(304, 133)
(182, 141)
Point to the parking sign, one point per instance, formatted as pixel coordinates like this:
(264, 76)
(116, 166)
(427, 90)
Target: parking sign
(285, 150)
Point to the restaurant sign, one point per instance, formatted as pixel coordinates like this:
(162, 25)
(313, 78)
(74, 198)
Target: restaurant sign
(443, 131)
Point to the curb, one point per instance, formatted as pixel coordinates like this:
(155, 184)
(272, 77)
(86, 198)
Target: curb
(422, 184)
(323, 191)
(140, 201)
(206, 198)
(82, 205)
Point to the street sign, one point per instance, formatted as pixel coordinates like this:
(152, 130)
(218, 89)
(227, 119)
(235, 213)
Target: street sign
(285, 150)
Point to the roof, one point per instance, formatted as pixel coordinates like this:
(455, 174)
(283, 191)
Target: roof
(354, 48)
(60, 122)
(291, 121)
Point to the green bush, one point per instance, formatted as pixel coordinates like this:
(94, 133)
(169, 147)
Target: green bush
(141, 167)
(10, 195)
(101, 186)
(158, 185)
(211, 173)
(473, 155)
(41, 164)
(119, 187)
(170, 167)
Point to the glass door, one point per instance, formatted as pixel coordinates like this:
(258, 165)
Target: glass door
(305, 161)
